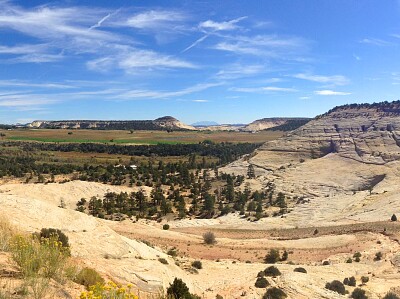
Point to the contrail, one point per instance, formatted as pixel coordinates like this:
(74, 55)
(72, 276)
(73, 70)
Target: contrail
(196, 42)
(104, 19)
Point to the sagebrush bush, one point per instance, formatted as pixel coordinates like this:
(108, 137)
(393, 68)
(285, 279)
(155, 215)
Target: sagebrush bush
(391, 295)
(165, 227)
(46, 258)
(272, 257)
(89, 277)
(272, 271)
(261, 282)
(300, 269)
(209, 238)
(358, 294)
(46, 233)
(163, 261)
(274, 293)
(197, 265)
(6, 234)
(336, 286)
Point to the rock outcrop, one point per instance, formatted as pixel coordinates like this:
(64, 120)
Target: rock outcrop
(279, 123)
(162, 123)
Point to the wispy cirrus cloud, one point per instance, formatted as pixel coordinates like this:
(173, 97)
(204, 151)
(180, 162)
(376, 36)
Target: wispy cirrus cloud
(136, 59)
(46, 85)
(328, 92)
(236, 71)
(375, 41)
(335, 79)
(263, 89)
(221, 26)
(154, 94)
(262, 45)
(210, 27)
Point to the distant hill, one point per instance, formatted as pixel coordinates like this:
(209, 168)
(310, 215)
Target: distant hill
(205, 123)
(276, 124)
(162, 123)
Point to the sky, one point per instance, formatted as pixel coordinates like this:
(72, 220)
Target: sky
(229, 61)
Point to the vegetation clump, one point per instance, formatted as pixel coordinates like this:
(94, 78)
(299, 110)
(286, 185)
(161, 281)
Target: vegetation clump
(165, 227)
(89, 277)
(272, 257)
(350, 281)
(300, 269)
(272, 271)
(197, 265)
(391, 295)
(109, 291)
(261, 282)
(209, 238)
(179, 290)
(336, 286)
(358, 294)
(274, 293)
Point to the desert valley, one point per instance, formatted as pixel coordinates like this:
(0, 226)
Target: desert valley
(321, 198)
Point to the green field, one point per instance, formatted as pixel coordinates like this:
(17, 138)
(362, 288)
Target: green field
(136, 137)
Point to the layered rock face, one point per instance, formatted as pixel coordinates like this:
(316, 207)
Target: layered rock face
(365, 133)
(268, 123)
(162, 123)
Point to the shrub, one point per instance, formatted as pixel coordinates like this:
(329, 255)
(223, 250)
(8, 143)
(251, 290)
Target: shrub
(391, 296)
(357, 259)
(261, 274)
(272, 257)
(46, 233)
(351, 281)
(325, 263)
(336, 286)
(110, 290)
(219, 297)
(274, 293)
(197, 265)
(357, 255)
(178, 289)
(6, 234)
(88, 277)
(163, 261)
(378, 256)
(172, 252)
(349, 260)
(364, 279)
(272, 271)
(261, 282)
(285, 256)
(165, 227)
(300, 269)
(393, 218)
(209, 238)
(358, 294)
(46, 258)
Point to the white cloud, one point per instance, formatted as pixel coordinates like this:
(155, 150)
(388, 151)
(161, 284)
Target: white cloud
(236, 71)
(155, 19)
(305, 98)
(18, 83)
(221, 26)
(375, 42)
(336, 79)
(138, 59)
(263, 89)
(328, 92)
(200, 101)
(151, 94)
(262, 45)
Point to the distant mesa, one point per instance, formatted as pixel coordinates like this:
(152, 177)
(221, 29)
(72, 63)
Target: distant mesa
(205, 123)
(162, 123)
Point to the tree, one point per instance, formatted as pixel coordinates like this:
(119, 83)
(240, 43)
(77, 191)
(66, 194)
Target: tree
(358, 294)
(178, 289)
(336, 286)
(274, 293)
(394, 218)
(250, 172)
(272, 257)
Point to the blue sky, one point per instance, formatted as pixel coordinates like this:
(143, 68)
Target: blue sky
(227, 61)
